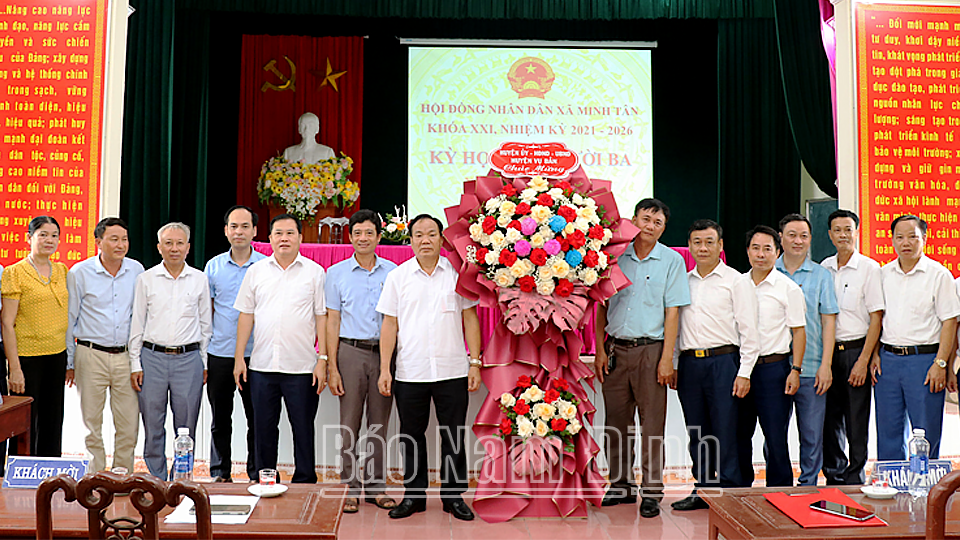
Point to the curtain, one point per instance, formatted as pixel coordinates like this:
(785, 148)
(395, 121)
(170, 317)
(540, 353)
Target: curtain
(498, 9)
(759, 167)
(806, 83)
(268, 119)
(145, 178)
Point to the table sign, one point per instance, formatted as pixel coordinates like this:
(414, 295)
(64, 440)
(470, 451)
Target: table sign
(899, 472)
(28, 472)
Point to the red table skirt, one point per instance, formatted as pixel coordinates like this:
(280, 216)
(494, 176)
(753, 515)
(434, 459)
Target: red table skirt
(329, 254)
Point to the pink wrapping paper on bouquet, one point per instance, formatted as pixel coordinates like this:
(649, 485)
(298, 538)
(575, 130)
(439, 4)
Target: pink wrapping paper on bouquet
(541, 313)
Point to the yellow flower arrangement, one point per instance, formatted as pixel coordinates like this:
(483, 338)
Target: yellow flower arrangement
(301, 187)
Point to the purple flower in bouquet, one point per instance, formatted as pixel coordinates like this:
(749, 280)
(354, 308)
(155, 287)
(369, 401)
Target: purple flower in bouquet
(522, 247)
(552, 247)
(528, 226)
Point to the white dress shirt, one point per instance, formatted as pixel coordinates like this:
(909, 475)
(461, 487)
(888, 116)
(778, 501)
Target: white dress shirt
(917, 302)
(170, 311)
(781, 306)
(285, 305)
(429, 312)
(859, 294)
(707, 323)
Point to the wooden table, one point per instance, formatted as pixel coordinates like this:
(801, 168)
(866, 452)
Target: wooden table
(746, 514)
(304, 511)
(15, 422)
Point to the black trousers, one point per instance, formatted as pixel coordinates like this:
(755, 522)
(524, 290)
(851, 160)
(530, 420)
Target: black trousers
(220, 390)
(300, 397)
(847, 423)
(450, 398)
(45, 376)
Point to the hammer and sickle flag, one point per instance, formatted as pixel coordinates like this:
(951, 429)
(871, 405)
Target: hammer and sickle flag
(288, 83)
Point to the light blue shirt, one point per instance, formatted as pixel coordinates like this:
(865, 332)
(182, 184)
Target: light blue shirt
(816, 282)
(658, 281)
(100, 305)
(225, 277)
(354, 292)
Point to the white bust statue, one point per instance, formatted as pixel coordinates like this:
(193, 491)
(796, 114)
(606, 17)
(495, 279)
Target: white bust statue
(309, 150)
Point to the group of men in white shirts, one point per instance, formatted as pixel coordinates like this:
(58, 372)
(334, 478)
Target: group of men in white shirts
(788, 336)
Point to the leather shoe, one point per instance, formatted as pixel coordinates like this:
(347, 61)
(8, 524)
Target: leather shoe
(618, 495)
(458, 509)
(693, 502)
(407, 508)
(649, 507)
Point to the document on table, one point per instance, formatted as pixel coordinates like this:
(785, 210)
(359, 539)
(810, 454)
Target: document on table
(182, 513)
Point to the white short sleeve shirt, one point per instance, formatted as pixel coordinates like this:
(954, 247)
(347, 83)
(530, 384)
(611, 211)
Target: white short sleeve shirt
(859, 293)
(429, 312)
(284, 304)
(917, 302)
(781, 306)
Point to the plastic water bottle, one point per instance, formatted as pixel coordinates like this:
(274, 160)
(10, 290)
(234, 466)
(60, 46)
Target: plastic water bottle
(183, 455)
(919, 463)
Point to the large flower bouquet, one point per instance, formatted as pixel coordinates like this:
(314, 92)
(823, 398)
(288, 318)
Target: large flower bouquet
(540, 238)
(301, 187)
(542, 251)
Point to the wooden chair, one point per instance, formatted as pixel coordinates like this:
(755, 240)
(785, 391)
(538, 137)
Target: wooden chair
(937, 504)
(148, 495)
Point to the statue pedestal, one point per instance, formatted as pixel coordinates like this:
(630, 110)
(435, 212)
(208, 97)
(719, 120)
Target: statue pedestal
(311, 229)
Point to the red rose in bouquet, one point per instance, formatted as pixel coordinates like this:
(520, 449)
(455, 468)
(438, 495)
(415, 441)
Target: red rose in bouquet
(567, 213)
(561, 385)
(577, 239)
(506, 427)
(522, 209)
(524, 381)
(509, 190)
(590, 260)
(545, 200)
(521, 407)
(514, 225)
(489, 224)
(557, 424)
(507, 258)
(551, 395)
(538, 257)
(596, 232)
(527, 283)
(564, 287)
(482, 255)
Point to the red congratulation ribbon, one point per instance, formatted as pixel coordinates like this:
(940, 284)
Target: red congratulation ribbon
(544, 347)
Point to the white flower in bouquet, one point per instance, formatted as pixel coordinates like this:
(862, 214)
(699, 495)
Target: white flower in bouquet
(578, 199)
(476, 232)
(507, 400)
(574, 426)
(539, 183)
(545, 287)
(503, 278)
(493, 204)
(392, 227)
(503, 220)
(559, 267)
(601, 260)
(493, 257)
(582, 225)
(507, 208)
(566, 410)
(544, 411)
(498, 240)
(542, 428)
(546, 233)
(544, 273)
(537, 241)
(595, 245)
(555, 192)
(589, 276)
(540, 213)
(524, 427)
(532, 394)
(587, 212)
(522, 267)
(607, 235)
(569, 228)
(513, 235)
(528, 195)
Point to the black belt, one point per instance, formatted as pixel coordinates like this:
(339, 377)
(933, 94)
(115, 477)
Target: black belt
(171, 350)
(852, 344)
(716, 351)
(635, 342)
(367, 344)
(772, 358)
(911, 349)
(111, 350)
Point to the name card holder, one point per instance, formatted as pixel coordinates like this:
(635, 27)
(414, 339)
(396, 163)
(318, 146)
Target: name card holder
(27, 472)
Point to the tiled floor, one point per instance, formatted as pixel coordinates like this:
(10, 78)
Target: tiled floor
(615, 522)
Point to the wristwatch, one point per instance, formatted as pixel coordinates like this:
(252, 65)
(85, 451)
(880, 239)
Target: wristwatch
(476, 362)
(322, 357)
(798, 369)
(941, 362)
